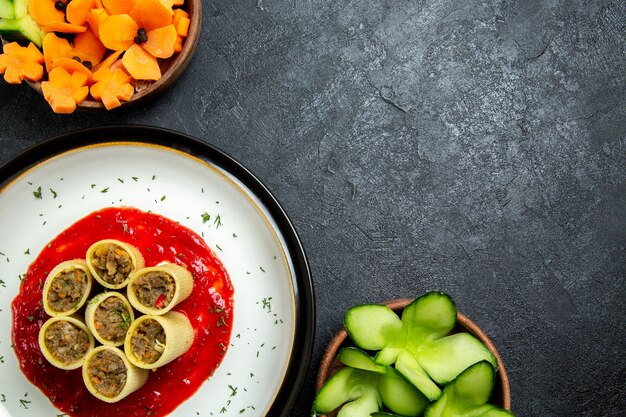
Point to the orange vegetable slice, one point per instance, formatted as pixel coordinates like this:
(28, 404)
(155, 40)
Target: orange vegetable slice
(181, 21)
(90, 46)
(178, 46)
(140, 64)
(18, 63)
(118, 6)
(53, 48)
(118, 32)
(171, 3)
(151, 14)
(111, 87)
(106, 64)
(71, 66)
(64, 91)
(95, 18)
(161, 41)
(44, 12)
(64, 27)
(78, 10)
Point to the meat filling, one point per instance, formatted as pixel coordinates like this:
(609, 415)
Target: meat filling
(67, 289)
(112, 319)
(155, 289)
(107, 373)
(68, 343)
(112, 263)
(148, 341)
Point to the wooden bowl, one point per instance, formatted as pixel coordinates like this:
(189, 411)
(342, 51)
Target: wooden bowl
(171, 68)
(330, 364)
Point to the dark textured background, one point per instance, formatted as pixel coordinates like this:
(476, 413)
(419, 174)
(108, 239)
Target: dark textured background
(477, 147)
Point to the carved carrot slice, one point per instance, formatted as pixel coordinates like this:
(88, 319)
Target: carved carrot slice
(108, 61)
(140, 64)
(181, 21)
(89, 44)
(112, 86)
(78, 10)
(64, 91)
(54, 48)
(44, 12)
(151, 14)
(63, 27)
(19, 63)
(118, 6)
(95, 18)
(161, 41)
(117, 32)
(71, 66)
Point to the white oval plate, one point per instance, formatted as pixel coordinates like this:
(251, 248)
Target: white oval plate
(180, 178)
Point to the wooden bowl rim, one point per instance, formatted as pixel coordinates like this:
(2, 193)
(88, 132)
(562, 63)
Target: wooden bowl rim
(397, 304)
(179, 63)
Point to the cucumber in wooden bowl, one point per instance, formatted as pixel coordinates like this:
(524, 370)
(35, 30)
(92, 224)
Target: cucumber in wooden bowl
(405, 358)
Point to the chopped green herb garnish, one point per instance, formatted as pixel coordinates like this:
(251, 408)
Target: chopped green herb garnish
(162, 198)
(135, 179)
(54, 193)
(37, 193)
(233, 390)
(27, 252)
(93, 185)
(121, 180)
(31, 318)
(24, 403)
(217, 222)
(153, 177)
(105, 190)
(205, 217)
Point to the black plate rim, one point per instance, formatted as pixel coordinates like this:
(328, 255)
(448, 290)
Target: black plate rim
(300, 360)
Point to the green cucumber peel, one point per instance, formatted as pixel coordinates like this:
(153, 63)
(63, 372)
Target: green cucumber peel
(377, 327)
(467, 395)
(363, 390)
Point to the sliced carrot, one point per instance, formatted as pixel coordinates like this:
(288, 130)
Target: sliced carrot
(171, 3)
(18, 63)
(118, 6)
(151, 14)
(89, 44)
(44, 12)
(108, 61)
(181, 21)
(95, 18)
(64, 91)
(118, 32)
(54, 48)
(71, 66)
(78, 10)
(140, 64)
(64, 27)
(178, 46)
(161, 41)
(112, 86)
(99, 4)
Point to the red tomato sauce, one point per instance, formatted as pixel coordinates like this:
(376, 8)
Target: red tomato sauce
(209, 308)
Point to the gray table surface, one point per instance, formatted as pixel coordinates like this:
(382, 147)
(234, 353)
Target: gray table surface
(476, 147)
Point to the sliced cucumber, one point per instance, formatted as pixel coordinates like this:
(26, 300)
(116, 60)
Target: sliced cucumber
(429, 317)
(399, 395)
(444, 359)
(372, 326)
(356, 358)
(346, 385)
(467, 395)
(7, 9)
(21, 8)
(24, 28)
(408, 366)
(364, 406)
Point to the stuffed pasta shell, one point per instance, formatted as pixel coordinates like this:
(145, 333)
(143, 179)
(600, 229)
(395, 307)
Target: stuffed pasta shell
(154, 341)
(112, 262)
(109, 315)
(65, 341)
(156, 290)
(66, 288)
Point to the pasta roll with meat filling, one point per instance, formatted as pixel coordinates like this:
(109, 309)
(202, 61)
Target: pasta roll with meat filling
(65, 341)
(156, 290)
(109, 376)
(112, 262)
(154, 341)
(109, 315)
(67, 288)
